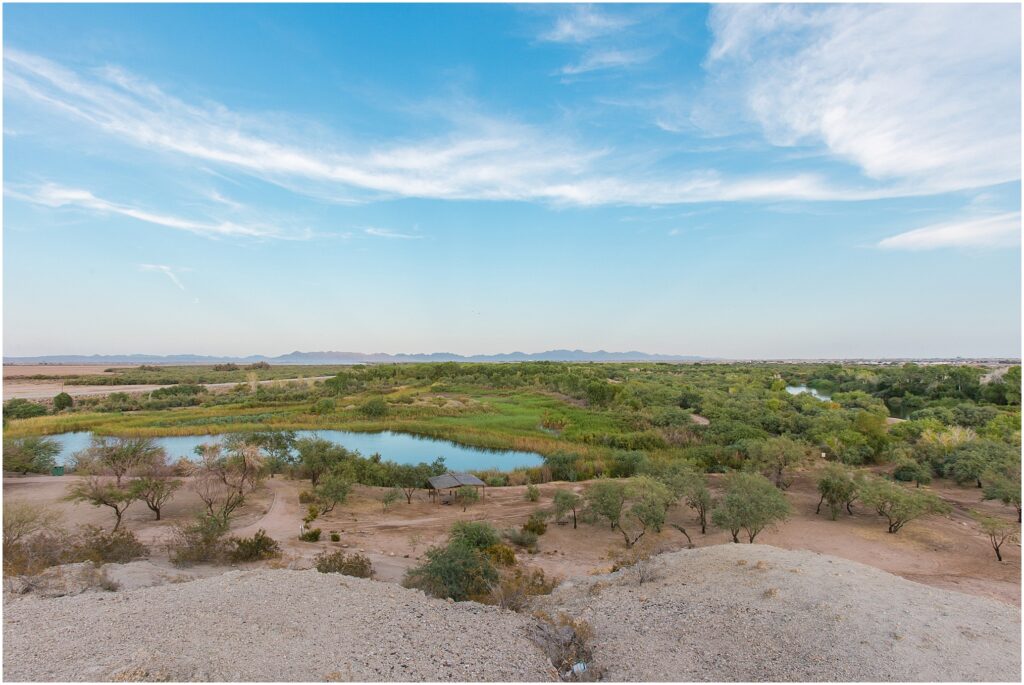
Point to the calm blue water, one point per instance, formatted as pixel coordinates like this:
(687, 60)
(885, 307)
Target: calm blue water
(398, 447)
(797, 389)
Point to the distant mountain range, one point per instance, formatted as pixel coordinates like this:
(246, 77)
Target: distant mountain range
(356, 358)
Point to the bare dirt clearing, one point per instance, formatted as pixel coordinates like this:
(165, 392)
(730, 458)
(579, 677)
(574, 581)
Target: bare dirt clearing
(946, 552)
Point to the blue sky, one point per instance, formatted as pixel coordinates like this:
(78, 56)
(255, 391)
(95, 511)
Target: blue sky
(740, 181)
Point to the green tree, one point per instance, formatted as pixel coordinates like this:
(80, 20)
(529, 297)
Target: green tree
(999, 531)
(837, 487)
(318, 457)
(389, 497)
(910, 470)
(775, 457)
(751, 503)
(969, 461)
(22, 409)
(412, 477)
(1002, 483)
(898, 504)
(606, 499)
(566, 501)
(651, 500)
(62, 401)
(332, 490)
(467, 495)
(119, 457)
(100, 492)
(30, 455)
(155, 489)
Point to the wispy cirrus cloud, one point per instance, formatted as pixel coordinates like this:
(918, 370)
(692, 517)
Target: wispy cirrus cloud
(583, 23)
(1001, 230)
(924, 96)
(57, 196)
(606, 59)
(481, 158)
(388, 233)
(169, 271)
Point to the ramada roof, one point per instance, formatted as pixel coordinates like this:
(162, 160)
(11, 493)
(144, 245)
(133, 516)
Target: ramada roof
(453, 480)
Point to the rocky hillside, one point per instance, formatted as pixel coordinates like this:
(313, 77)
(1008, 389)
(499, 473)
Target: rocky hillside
(731, 612)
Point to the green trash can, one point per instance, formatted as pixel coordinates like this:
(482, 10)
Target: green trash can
(57, 471)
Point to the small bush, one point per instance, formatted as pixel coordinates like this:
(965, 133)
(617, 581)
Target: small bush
(532, 493)
(496, 481)
(566, 641)
(257, 548)
(501, 554)
(474, 534)
(353, 564)
(307, 497)
(458, 572)
(335, 537)
(311, 535)
(515, 589)
(200, 541)
(374, 408)
(104, 547)
(522, 538)
(536, 524)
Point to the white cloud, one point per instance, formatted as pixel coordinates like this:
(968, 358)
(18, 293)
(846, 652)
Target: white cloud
(168, 271)
(925, 97)
(53, 195)
(606, 59)
(482, 158)
(1002, 230)
(388, 233)
(584, 23)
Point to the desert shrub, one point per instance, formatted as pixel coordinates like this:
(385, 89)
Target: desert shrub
(566, 641)
(106, 547)
(496, 481)
(566, 501)
(335, 537)
(311, 535)
(501, 554)
(62, 401)
(474, 534)
(514, 589)
(306, 497)
(522, 538)
(456, 571)
(256, 548)
(374, 408)
(198, 542)
(30, 455)
(537, 523)
(322, 406)
(532, 493)
(22, 409)
(339, 561)
(909, 470)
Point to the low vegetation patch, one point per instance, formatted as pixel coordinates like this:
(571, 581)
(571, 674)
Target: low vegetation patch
(349, 564)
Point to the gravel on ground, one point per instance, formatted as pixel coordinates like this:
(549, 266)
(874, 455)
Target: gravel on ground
(759, 613)
(722, 613)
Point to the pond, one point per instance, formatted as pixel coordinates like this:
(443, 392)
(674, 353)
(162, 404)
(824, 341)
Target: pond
(403, 448)
(798, 389)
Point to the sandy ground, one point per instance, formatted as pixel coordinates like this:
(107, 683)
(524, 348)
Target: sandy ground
(44, 390)
(21, 370)
(944, 552)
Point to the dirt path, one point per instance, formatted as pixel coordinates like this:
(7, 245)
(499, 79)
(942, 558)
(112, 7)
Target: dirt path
(44, 390)
(945, 552)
